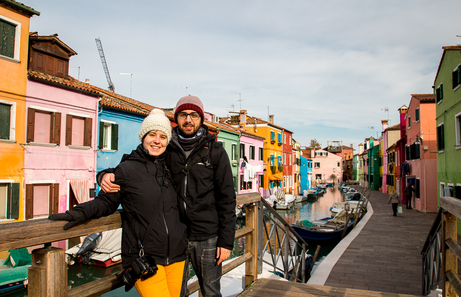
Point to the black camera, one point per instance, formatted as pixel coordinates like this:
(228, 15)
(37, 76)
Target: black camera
(141, 268)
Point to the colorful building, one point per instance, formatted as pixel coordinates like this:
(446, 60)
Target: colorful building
(288, 173)
(447, 91)
(421, 143)
(389, 136)
(60, 146)
(251, 172)
(326, 166)
(14, 36)
(272, 149)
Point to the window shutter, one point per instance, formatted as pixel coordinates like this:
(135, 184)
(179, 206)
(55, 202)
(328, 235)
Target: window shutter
(68, 129)
(5, 114)
(30, 124)
(88, 129)
(56, 129)
(7, 34)
(454, 76)
(114, 137)
(29, 201)
(442, 137)
(13, 201)
(417, 190)
(417, 150)
(54, 207)
(101, 135)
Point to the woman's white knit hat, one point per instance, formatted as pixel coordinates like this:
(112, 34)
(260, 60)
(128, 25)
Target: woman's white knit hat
(157, 121)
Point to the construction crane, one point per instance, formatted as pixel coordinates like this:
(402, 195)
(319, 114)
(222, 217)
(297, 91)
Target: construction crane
(104, 64)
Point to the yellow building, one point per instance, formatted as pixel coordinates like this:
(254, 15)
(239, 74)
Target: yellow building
(273, 145)
(14, 39)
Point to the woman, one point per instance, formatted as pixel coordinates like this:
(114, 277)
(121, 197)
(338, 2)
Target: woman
(153, 235)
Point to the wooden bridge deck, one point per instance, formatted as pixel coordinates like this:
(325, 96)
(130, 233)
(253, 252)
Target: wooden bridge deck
(271, 287)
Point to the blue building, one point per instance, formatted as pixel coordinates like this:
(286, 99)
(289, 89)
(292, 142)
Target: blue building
(304, 174)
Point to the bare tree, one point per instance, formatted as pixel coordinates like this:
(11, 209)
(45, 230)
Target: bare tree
(315, 144)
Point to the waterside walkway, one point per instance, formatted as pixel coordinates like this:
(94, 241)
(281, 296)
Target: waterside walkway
(380, 257)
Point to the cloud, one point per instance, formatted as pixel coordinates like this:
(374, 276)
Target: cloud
(325, 69)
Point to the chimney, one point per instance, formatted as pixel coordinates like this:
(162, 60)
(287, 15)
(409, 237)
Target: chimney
(271, 118)
(385, 125)
(87, 81)
(243, 117)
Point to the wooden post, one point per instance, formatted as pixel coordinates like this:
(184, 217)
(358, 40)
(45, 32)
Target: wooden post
(260, 236)
(449, 259)
(251, 242)
(48, 273)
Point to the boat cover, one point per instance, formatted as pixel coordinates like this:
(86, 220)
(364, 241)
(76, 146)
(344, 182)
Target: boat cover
(10, 274)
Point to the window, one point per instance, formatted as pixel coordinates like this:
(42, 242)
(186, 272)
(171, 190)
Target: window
(242, 150)
(236, 183)
(252, 153)
(409, 122)
(261, 154)
(272, 136)
(9, 199)
(417, 188)
(7, 120)
(10, 36)
(442, 188)
(440, 138)
(458, 130)
(417, 114)
(439, 93)
(284, 138)
(317, 165)
(284, 159)
(289, 158)
(234, 152)
(245, 185)
(456, 77)
(78, 130)
(339, 164)
(42, 199)
(261, 181)
(108, 135)
(279, 138)
(43, 126)
(458, 191)
(318, 177)
(272, 160)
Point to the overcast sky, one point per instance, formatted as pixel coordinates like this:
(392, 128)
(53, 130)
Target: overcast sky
(325, 69)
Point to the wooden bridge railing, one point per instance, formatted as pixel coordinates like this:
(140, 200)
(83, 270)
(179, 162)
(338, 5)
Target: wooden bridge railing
(48, 272)
(441, 251)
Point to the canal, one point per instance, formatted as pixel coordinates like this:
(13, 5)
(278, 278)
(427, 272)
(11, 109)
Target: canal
(79, 274)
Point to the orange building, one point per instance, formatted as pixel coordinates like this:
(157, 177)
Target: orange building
(14, 35)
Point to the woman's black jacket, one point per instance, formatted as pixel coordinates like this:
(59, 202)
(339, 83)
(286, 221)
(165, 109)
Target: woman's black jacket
(146, 193)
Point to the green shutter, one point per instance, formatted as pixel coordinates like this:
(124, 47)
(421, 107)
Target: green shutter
(13, 201)
(114, 137)
(7, 34)
(5, 114)
(101, 135)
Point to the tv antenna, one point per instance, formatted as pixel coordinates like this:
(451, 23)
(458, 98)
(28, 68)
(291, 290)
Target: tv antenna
(240, 99)
(385, 109)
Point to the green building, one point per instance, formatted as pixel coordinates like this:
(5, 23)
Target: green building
(447, 91)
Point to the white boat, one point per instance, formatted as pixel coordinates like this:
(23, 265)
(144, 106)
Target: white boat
(107, 252)
(286, 202)
(300, 198)
(349, 206)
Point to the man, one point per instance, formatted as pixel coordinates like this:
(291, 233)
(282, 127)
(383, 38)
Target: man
(409, 193)
(207, 196)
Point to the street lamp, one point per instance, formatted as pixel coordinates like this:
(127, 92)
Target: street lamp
(183, 88)
(131, 82)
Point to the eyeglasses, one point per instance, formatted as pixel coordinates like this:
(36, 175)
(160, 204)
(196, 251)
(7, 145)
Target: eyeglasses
(193, 115)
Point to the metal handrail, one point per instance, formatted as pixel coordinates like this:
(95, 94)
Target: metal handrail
(288, 247)
(441, 251)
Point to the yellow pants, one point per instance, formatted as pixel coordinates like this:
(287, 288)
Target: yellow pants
(166, 283)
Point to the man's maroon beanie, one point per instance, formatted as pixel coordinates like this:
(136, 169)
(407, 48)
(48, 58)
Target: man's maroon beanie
(189, 102)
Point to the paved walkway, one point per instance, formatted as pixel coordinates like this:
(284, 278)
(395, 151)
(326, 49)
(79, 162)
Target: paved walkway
(385, 254)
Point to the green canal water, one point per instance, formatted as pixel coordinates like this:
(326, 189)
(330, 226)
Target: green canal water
(79, 274)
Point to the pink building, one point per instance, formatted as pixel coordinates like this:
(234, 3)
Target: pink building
(421, 141)
(327, 166)
(60, 145)
(252, 173)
